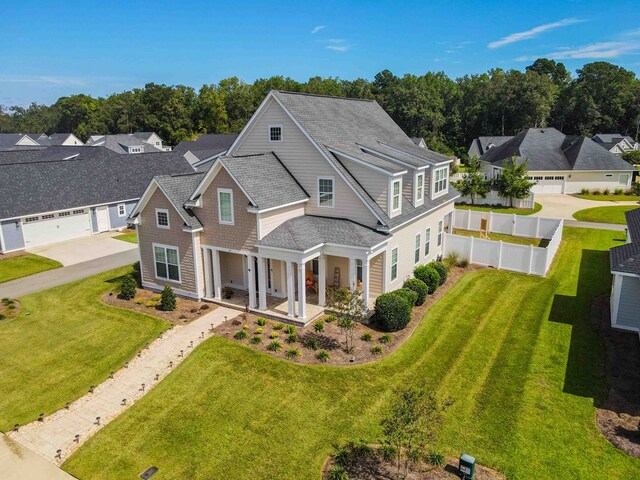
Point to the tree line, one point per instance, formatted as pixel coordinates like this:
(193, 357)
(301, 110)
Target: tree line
(448, 113)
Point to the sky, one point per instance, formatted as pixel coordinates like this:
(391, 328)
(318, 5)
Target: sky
(54, 48)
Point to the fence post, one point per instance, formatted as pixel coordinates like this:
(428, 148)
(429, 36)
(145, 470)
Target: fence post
(469, 219)
(513, 225)
(471, 251)
(530, 259)
(490, 225)
(499, 255)
(538, 228)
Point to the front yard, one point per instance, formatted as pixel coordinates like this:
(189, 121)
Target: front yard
(604, 214)
(515, 352)
(63, 341)
(128, 236)
(22, 265)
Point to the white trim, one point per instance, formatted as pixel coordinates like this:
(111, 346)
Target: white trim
(417, 217)
(391, 263)
(178, 291)
(365, 164)
(418, 201)
(230, 192)
(210, 176)
(427, 241)
(197, 266)
(155, 267)
(394, 211)
(66, 209)
(445, 190)
(165, 211)
(418, 249)
(393, 159)
(270, 209)
(124, 207)
(431, 162)
(275, 125)
(333, 190)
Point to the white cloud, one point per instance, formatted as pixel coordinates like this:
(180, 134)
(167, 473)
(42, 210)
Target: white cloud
(534, 32)
(338, 45)
(339, 48)
(594, 50)
(318, 28)
(43, 79)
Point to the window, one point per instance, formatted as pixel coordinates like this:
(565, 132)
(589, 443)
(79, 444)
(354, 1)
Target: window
(420, 187)
(64, 214)
(416, 253)
(558, 177)
(48, 216)
(135, 149)
(394, 264)
(162, 218)
(359, 271)
(275, 133)
(608, 175)
(325, 192)
(395, 195)
(225, 206)
(427, 241)
(441, 178)
(31, 219)
(122, 210)
(623, 180)
(440, 233)
(79, 211)
(167, 266)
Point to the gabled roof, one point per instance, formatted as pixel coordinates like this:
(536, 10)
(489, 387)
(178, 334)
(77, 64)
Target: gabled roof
(55, 139)
(8, 140)
(178, 189)
(211, 142)
(547, 149)
(480, 145)
(58, 178)
(121, 142)
(626, 258)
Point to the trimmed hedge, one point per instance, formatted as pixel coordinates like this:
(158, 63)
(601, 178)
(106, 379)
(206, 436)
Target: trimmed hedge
(128, 287)
(409, 294)
(442, 270)
(393, 311)
(428, 275)
(419, 287)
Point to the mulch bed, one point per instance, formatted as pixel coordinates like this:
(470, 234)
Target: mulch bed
(9, 309)
(331, 339)
(618, 417)
(186, 310)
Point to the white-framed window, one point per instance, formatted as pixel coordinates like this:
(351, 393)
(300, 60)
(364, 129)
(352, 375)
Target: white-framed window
(440, 224)
(79, 211)
(416, 253)
(275, 133)
(166, 262)
(31, 219)
(419, 187)
(441, 179)
(64, 214)
(359, 270)
(395, 195)
(135, 149)
(122, 210)
(48, 216)
(326, 192)
(394, 264)
(623, 181)
(427, 241)
(225, 206)
(162, 218)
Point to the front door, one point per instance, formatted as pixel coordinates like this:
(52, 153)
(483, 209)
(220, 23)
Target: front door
(102, 218)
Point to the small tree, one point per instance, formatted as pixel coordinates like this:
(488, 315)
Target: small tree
(411, 425)
(351, 309)
(635, 188)
(633, 157)
(168, 299)
(128, 287)
(473, 184)
(513, 181)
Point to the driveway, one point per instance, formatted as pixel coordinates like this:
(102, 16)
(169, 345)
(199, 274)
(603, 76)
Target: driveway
(564, 206)
(85, 249)
(20, 463)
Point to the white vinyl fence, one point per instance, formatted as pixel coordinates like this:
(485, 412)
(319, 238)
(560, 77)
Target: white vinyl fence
(505, 255)
(494, 199)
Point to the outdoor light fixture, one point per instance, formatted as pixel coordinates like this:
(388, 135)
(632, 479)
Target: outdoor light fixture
(91, 389)
(142, 388)
(352, 359)
(225, 319)
(171, 364)
(201, 334)
(67, 405)
(97, 420)
(181, 353)
(157, 376)
(191, 343)
(41, 417)
(126, 365)
(77, 438)
(111, 376)
(16, 427)
(146, 347)
(59, 454)
(124, 401)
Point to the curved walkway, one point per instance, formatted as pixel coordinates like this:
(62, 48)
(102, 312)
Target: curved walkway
(59, 435)
(564, 206)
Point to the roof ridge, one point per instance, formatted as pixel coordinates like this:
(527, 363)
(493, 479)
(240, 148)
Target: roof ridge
(337, 97)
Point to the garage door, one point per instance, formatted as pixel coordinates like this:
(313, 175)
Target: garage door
(56, 227)
(548, 184)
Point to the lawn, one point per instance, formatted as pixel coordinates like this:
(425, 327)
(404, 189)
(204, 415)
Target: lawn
(62, 342)
(536, 242)
(604, 214)
(516, 353)
(488, 208)
(24, 265)
(130, 237)
(610, 198)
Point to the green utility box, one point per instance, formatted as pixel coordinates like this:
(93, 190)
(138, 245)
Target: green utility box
(467, 466)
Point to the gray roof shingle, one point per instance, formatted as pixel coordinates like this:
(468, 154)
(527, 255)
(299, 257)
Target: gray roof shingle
(208, 141)
(178, 189)
(626, 258)
(119, 143)
(480, 145)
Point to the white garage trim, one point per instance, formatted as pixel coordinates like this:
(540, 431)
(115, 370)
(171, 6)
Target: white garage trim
(40, 230)
(18, 217)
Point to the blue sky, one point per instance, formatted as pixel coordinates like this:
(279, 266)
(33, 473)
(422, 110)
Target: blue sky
(54, 48)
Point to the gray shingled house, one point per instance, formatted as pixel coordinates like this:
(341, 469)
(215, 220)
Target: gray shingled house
(203, 151)
(58, 193)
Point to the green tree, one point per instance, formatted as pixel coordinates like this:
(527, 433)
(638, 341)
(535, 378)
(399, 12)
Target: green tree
(168, 299)
(473, 184)
(513, 181)
(633, 157)
(351, 309)
(556, 71)
(128, 287)
(210, 111)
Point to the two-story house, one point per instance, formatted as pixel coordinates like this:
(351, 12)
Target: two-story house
(138, 142)
(315, 192)
(616, 143)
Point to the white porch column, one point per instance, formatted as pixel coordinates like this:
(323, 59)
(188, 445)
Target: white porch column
(252, 281)
(365, 282)
(322, 280)
(208, 274)
(217, 277)
(302, 292)
(291, 290)
(353, 279)
(262, 283)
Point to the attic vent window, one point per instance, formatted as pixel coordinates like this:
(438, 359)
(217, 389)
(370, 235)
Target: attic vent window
(275, 133)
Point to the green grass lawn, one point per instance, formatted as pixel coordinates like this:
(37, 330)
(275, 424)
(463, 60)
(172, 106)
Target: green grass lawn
(25, 265)
(610, 198)
(68, 341)
(536, 242)
(516, 353)
(604, 214)
(130, 237)
(510, 211)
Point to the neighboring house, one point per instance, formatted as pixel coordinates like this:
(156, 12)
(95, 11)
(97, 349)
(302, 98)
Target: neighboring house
(202, 152)
(139, 142)
(64, 139)
(481, 145)
(559, 163)
(419, 141)
(625, 267)
(10, 140)
(616, 143)
(54, 194)
(316, 191)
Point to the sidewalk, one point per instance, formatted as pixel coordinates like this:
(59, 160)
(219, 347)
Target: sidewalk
(19, 463)
(601, 226)
(62, 433)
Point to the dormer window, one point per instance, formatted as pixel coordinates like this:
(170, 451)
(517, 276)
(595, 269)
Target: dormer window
(275, 133)
(419, 188)
(441, 180)
(395, 195)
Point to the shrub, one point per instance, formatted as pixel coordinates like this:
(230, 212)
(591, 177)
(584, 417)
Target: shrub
(419, 287)
(606, 191)
(274, 346)
(7, 301)
(127, 287)
(408, 294)
(278, 326)
(428, 275)
(618, 191)
(255, 340)
(246, 327)
(193, 310)
(292, 338)
(393, 312)
(584, 191)
(274, 335)
(139, 301)
(136, 273)
(323, 356)
(376, 350)
(442, 270)
(337, 472)
(330, 318)
(385, 339)
(168, 299)
(311, 343)
(343, 456)
(227, 293)
(205, 307)
(451, 260)
(435, 458)
(261, 321)
(463, 263)
(157, 297)
(290, 329)
(318, 326)
(595, 192)
(2, 316)
(388, 452)
(366, 337)
(240, 335)
(292, 353)
(635, 188)
(151, 303)
(258, 331)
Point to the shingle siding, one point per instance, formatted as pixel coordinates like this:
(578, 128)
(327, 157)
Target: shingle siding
(13, 238)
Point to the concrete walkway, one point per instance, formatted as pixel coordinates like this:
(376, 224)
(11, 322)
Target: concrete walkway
(20, 463)
(60, 276)
(60, 434)
(564, 206)
(601, 226)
